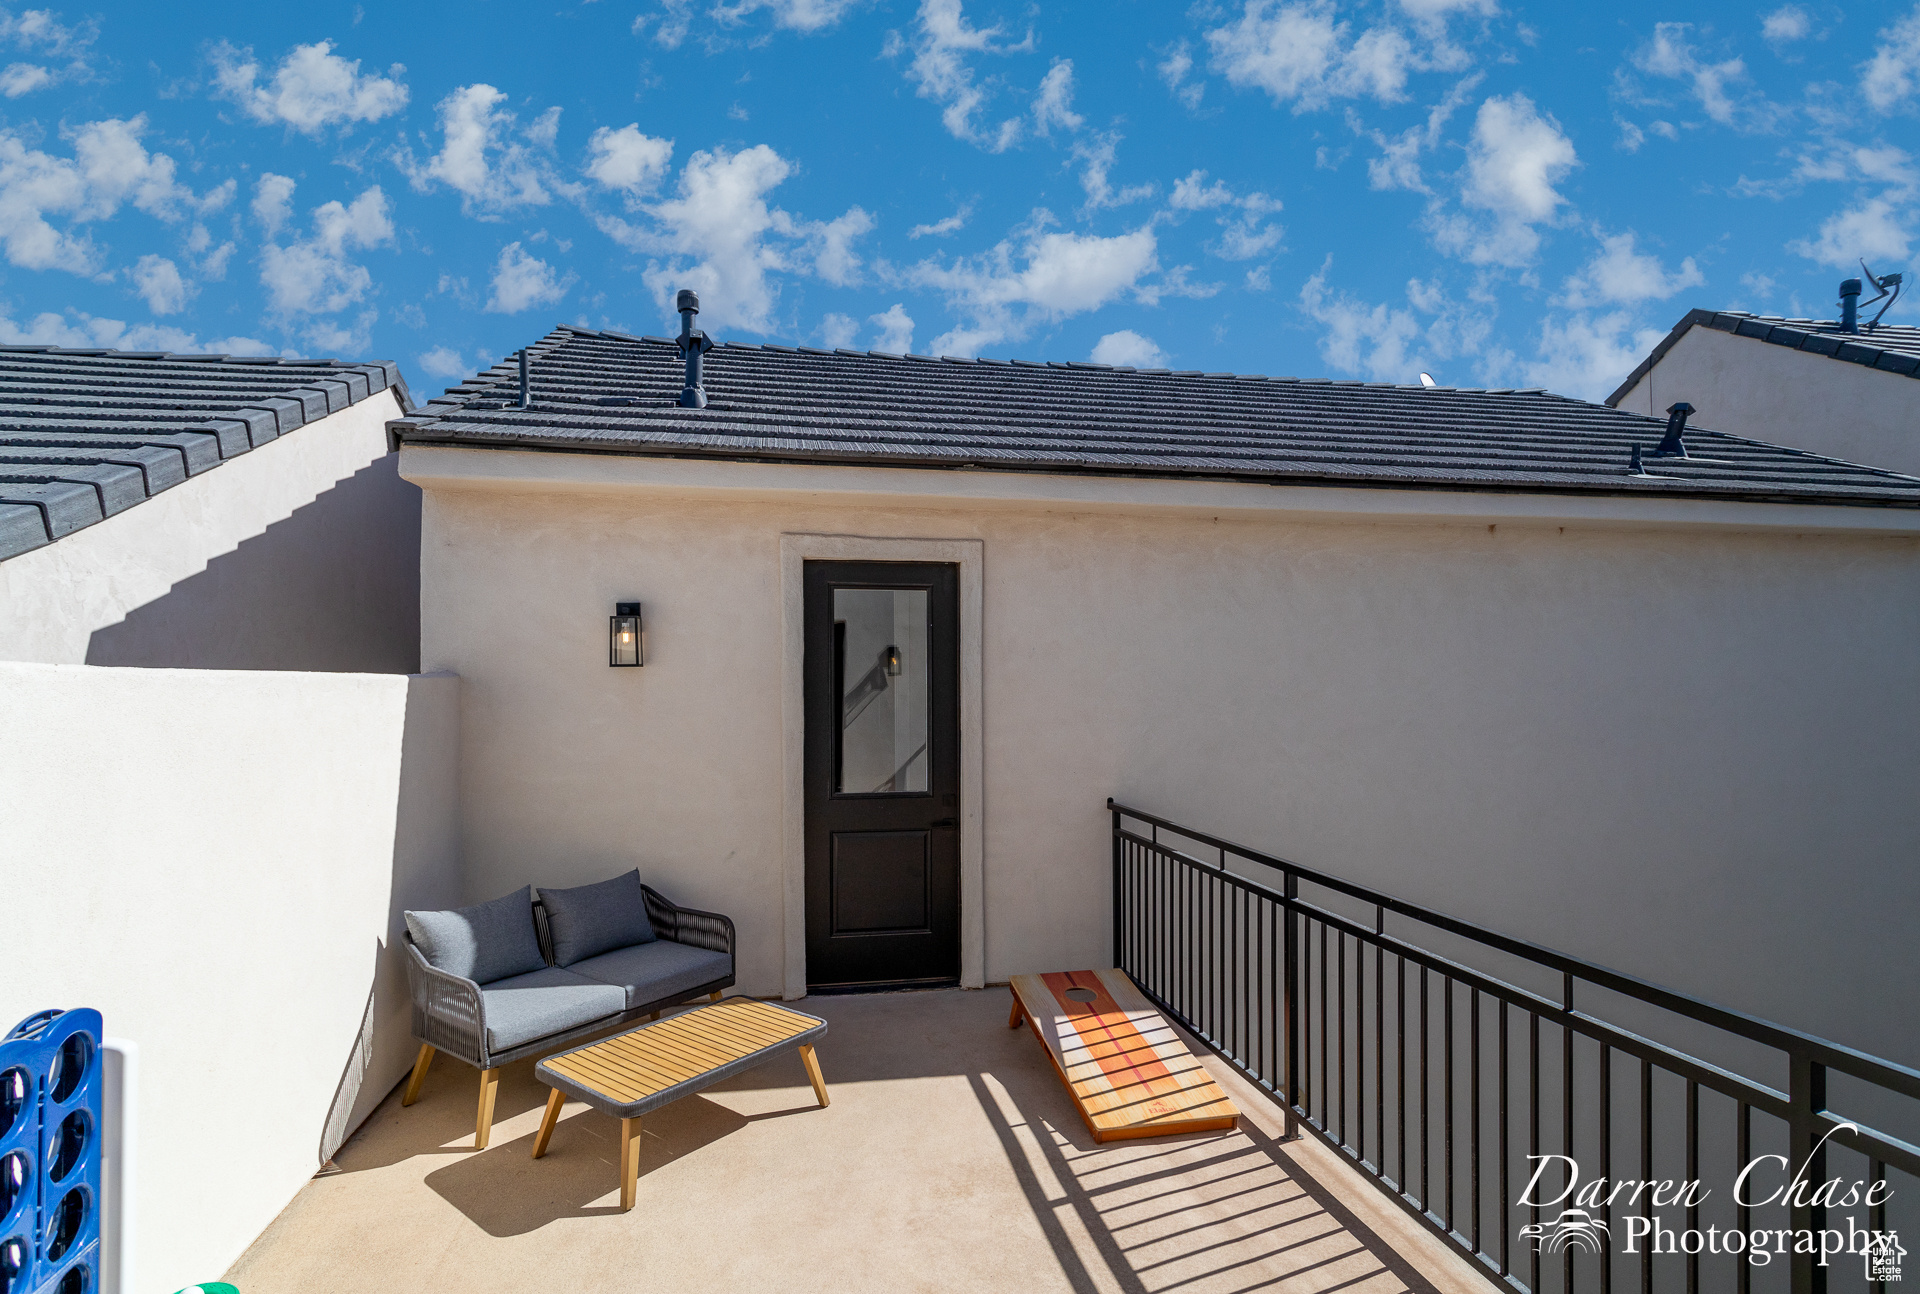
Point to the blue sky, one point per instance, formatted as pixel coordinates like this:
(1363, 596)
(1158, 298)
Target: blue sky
(1498, 193)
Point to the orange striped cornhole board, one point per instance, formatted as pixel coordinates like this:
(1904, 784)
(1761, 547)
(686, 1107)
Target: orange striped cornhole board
(1126, 1069)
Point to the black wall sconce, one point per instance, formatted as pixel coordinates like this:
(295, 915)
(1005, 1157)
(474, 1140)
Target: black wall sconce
(623, 635)
(892, 658)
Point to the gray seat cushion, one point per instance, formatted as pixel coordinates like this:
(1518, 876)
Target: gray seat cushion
(522, 1008)
(588, 920)
(487, 941)
(661, 969)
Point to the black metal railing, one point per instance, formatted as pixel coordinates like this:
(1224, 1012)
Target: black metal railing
(1449, 1062)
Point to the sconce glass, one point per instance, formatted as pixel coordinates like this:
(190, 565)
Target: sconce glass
(893, 661)
(623, 635)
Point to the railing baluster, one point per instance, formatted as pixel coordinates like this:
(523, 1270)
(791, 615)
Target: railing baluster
(1506, 1162)
(1400, 1065)
(1426, 1143)
(1473, 1125)
(1293, 1001)
(1566, 1106)
(1326, 1097)
(1693, 1175)
(1742, 1156)
(1446, 1124)
(1533, 1128)
(1876, 1214)
(1606, 1163)
(1646, 1168)
(1341, 1031)
(1380, 1054)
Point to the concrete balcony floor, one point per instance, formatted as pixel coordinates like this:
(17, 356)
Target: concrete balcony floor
(950, 1159)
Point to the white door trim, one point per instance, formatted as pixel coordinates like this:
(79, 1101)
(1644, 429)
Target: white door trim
(969, 555)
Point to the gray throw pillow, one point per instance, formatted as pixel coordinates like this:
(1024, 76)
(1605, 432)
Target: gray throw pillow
(592, 919)
(483, 943)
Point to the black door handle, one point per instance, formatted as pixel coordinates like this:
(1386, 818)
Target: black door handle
(944, 823)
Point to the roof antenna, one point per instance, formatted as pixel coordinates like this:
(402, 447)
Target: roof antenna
(1672, 446)
(526, 387)
(692, 344)
(1426, 379)
(1887, 286)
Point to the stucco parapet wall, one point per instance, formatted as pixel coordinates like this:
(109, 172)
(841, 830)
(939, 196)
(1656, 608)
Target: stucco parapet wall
(452, 468)
(1890, 350)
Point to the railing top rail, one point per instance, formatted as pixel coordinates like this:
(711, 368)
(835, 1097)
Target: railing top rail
(1831, 1054)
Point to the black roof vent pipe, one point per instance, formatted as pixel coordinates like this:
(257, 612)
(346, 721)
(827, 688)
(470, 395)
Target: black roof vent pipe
(1849, 305)
(526, 383)
(1671, 445)
(691, 344)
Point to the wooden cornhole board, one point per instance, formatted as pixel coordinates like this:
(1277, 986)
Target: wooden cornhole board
(1126, 1069)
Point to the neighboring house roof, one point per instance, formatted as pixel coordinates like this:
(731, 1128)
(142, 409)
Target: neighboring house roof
(605, 392)
(85, 434)
(1892, 348)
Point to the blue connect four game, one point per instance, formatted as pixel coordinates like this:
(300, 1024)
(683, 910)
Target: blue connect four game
(50, 1154)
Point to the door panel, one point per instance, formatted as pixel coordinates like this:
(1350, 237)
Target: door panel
(882, 773)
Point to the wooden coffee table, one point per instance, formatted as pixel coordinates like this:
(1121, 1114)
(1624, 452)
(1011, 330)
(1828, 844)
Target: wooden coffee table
(641, 1070)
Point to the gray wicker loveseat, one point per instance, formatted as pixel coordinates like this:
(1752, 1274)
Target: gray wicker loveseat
(533, 971)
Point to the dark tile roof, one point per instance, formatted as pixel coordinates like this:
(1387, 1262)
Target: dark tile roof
(88, 433)
(1893, 348)
(611, 393)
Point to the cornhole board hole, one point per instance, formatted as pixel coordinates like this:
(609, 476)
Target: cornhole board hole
(1126, 1069)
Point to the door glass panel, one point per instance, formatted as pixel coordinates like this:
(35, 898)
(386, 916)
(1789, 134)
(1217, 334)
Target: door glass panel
(881, 669)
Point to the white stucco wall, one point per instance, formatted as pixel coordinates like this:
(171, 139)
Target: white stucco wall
(218, 862)
(1681, 739)
(298, 555)
(1747, 387)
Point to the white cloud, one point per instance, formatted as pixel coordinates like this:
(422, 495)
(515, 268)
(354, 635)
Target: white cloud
(626, 159)
(715, 233)
(40, 33)
(1398, 166)
(895, 335)
(522, 281)
(1433, 11)
(1619, 275)
(940, 71)
(1098, 155)
(1876, 229)
(109, 168)
(445, 362)
(831, 244)
(1514, 159)
(272, 201)
(1128, 349)
(1053, 105)
(78, 329)
(313, 275)
(1048, 276)
(331, 336)
(313, 88)
(1587, 356)
(1389, 343)
(1890, 78)
(1298, 52)
(480, 157)
(671, 25)
(159, 284)
(1174, 69)
(945, 225)
(838, 330)
(1786, 24)
(1671, 54)
(1244, 234)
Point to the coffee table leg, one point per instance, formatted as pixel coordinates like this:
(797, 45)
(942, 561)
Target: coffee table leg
(547, 1120)
(629, 1161)
(812, 1062)
(1018, 1013)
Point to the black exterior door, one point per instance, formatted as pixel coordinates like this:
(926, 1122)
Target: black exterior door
(882, 774)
